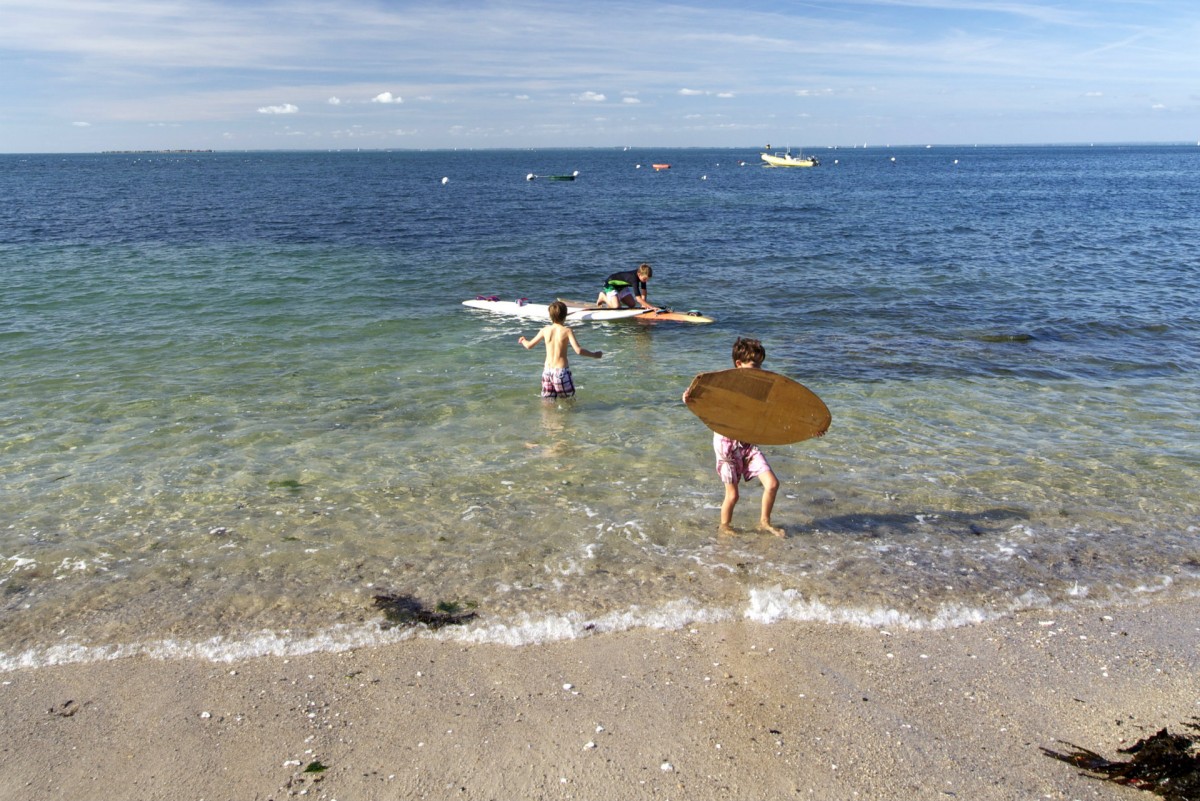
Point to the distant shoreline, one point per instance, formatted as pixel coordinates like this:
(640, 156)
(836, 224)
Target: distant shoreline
(127, 152)
(632, 149)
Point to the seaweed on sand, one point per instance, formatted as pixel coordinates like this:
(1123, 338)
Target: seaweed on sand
(405, 610)
(1165, 764)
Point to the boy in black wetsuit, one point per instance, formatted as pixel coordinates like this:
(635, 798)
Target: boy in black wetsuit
(626, 289)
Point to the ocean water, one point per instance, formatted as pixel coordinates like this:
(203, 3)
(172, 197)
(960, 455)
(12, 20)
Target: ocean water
(241, 395)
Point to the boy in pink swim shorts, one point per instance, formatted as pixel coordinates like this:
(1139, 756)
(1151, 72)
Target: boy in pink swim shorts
(741, 461)
(556, 374)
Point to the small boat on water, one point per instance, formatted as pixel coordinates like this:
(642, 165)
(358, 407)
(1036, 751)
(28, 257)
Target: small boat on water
(786, 159)
(661, 166)
(534, 176)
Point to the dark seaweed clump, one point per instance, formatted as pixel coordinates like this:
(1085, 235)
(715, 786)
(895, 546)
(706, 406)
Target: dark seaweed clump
(1165, 764)
(405, 610)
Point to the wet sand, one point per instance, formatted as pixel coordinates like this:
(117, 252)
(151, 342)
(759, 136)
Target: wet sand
(727, 711)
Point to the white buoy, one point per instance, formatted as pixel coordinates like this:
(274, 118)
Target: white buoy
(530, 177)
(703, 177)
(445, 181)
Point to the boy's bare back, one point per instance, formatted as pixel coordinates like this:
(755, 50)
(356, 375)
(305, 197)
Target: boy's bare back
(557, 338)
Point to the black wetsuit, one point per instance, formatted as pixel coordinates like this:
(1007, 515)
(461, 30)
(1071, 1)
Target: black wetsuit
(629, 278)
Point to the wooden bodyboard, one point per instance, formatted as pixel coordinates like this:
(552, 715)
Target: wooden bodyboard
(673, 316)
(757, 406)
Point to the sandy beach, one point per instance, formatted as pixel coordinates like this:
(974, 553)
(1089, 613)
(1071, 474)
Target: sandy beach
(730, 711)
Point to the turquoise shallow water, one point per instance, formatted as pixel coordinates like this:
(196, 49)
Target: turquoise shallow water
(242, 396)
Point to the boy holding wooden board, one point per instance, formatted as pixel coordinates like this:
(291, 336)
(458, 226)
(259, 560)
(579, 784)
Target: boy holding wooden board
(748, 406)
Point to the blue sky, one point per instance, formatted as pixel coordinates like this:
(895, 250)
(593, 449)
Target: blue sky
(90, 75)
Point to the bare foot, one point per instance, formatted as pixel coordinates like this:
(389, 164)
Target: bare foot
(726, 530)
(765, 525)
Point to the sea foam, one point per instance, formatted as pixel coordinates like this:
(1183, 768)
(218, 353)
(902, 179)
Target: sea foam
(764, 606)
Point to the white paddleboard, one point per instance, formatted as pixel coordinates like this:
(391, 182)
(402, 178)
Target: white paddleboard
(652, 316)
(541, 311)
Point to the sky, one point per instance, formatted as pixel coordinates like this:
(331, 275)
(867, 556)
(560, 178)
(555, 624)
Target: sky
(94, 75)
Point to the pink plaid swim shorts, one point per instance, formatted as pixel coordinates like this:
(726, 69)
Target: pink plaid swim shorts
(738, 461)
(557, 383)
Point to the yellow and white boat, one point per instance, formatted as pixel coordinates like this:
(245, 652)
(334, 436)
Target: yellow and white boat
(786, 159)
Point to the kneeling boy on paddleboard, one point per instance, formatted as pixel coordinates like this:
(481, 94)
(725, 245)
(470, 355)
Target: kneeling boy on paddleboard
(627, 289)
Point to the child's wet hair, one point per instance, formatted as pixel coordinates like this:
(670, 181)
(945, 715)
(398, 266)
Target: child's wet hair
(749, 350)
(558, 312)
(644, 270)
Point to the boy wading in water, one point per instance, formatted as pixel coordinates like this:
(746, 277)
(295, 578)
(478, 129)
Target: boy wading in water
(741, 461)
(556, 374)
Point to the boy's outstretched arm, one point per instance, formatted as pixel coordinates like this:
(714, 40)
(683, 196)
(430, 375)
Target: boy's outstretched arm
(593, 354)
(529, 343)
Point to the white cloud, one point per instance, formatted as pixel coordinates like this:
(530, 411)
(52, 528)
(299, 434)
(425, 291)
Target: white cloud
(82, 124)
(224, 58)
